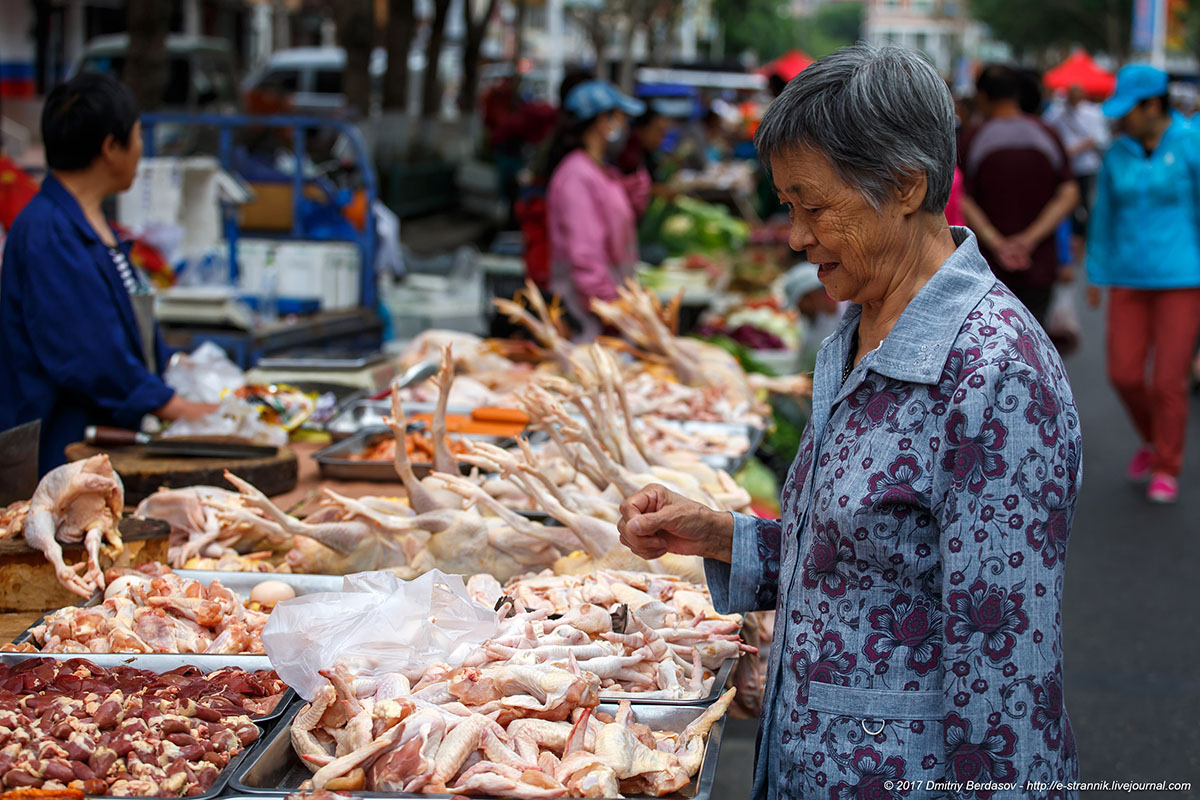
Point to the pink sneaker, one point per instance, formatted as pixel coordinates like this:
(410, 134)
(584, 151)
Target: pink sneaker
(1139, 466)
(1163, 489)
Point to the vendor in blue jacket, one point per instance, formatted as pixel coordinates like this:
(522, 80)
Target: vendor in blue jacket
(78, 341)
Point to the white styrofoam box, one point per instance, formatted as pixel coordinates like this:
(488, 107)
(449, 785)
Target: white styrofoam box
(326, 271)
(180, 192)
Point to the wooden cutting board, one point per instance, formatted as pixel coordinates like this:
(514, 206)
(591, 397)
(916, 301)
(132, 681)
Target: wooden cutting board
(143, 473)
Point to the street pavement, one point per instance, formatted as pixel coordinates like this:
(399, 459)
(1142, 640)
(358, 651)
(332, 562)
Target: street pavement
(1131, 610)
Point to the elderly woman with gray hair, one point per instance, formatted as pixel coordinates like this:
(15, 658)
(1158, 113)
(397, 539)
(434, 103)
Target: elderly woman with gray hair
(917, 571)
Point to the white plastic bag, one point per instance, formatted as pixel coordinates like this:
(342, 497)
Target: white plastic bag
(235, 417)
(1062, 321)
(376, 625)
(203, 375)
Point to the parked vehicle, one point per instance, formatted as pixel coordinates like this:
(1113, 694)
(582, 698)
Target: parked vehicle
(200, 70)
(308, 80)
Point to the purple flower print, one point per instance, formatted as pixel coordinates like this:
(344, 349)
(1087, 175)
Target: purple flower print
(1043, 411)
(971, 461)
(1049, 716)
(830, 562)
(875, 777)
(989, 611)
(907, 623)
(872, 405)
(893, 490)
(832, 664)
(980, 762)
(1049, 535)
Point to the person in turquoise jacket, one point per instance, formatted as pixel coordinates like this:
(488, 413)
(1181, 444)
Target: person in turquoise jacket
(1144, 246)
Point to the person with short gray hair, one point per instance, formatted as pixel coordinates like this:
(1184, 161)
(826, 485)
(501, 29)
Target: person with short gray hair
(917, 570)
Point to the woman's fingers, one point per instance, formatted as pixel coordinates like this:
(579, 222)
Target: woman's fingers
(649, 499)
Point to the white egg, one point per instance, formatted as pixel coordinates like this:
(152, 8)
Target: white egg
(268, 593)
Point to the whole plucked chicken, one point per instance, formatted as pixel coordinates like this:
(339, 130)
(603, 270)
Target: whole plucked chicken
(77, 502)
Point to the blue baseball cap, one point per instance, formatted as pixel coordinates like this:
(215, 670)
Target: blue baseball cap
(1135, 83)
(593, 98)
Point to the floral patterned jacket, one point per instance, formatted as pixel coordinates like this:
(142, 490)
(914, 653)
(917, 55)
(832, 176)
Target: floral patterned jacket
(917, 573)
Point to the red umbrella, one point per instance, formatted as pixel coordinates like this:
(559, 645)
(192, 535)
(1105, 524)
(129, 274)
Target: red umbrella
(787, 66)
(1080, 70)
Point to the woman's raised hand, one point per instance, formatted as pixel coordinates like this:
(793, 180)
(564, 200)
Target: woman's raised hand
(656, 521)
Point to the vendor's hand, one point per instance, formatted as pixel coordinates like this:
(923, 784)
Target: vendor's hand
(1094, 296)
(179, 408)
(656, 521)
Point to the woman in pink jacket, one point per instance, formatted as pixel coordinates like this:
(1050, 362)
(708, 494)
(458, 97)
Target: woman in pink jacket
(590, 206)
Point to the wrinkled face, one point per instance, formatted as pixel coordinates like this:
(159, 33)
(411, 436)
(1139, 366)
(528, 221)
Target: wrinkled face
(840, 232)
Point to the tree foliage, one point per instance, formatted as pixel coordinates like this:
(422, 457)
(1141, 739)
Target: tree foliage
(762, 27)
(833, 26)
(1032, 27)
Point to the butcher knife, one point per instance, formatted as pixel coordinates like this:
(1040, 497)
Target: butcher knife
(114, 437)
(19, 462)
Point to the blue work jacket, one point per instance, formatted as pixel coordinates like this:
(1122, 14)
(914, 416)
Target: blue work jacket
(917, 570)
(70, 352)
(1144, 229)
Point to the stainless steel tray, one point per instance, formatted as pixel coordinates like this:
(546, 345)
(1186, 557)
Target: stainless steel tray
(366, 413)
(242, 583)
(317, 361)
(235, 765)
(165, 662)
(335, 464)
(719, 685)
(274, 768)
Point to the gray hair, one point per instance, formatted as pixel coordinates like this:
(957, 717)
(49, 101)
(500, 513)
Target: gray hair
(879, 114)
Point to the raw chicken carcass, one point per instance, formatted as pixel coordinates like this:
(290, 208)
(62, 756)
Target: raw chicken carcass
(77, 502)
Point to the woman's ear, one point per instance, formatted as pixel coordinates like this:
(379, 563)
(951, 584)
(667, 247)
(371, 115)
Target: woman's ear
(910, 194)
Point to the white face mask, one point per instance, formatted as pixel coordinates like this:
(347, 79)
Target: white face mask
(616, 135)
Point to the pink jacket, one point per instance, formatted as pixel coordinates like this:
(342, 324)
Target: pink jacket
(593, 239)
(954, 212)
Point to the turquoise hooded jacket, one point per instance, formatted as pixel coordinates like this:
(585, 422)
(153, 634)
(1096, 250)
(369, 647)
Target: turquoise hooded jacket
(1144, 229)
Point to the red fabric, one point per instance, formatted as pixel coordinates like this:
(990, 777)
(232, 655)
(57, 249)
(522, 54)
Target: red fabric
(1079, 70)
(787, 66)
(16, 189)
(531, 213)
(1159, 326)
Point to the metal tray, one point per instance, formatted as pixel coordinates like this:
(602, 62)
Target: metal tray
(366, 413)
(719, 685)
(242, 583)
(234, 766)
(165, 662)
(335, 464)
(322, 361)
(274, 768)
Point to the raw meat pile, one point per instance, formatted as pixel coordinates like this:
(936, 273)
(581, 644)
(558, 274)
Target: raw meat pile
(522, 731)
(209, 523)
(152, 610)
(77, 503)
(643, 635)
(72, 725)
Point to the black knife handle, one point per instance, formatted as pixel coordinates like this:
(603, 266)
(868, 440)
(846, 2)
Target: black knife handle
(112, 437)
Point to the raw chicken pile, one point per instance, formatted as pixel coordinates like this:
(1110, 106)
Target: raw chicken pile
(209, 523)
(522, 731)
(77, 503)
(72, 725)
(152, 610)
(643, 635)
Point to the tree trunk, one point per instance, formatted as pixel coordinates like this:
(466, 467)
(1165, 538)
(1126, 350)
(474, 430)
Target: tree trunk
(475, 33)
(431, 98)
(356, 34)
(146, 64)
(625, 77)
(402, 23)
(518, 48)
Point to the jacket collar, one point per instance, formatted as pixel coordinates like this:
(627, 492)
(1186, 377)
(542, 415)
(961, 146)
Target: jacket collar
(58, 194)
(916, 349)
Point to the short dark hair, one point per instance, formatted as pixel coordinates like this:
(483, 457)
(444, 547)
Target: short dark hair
(1164, 103)
(999, 82)
(80, 114)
